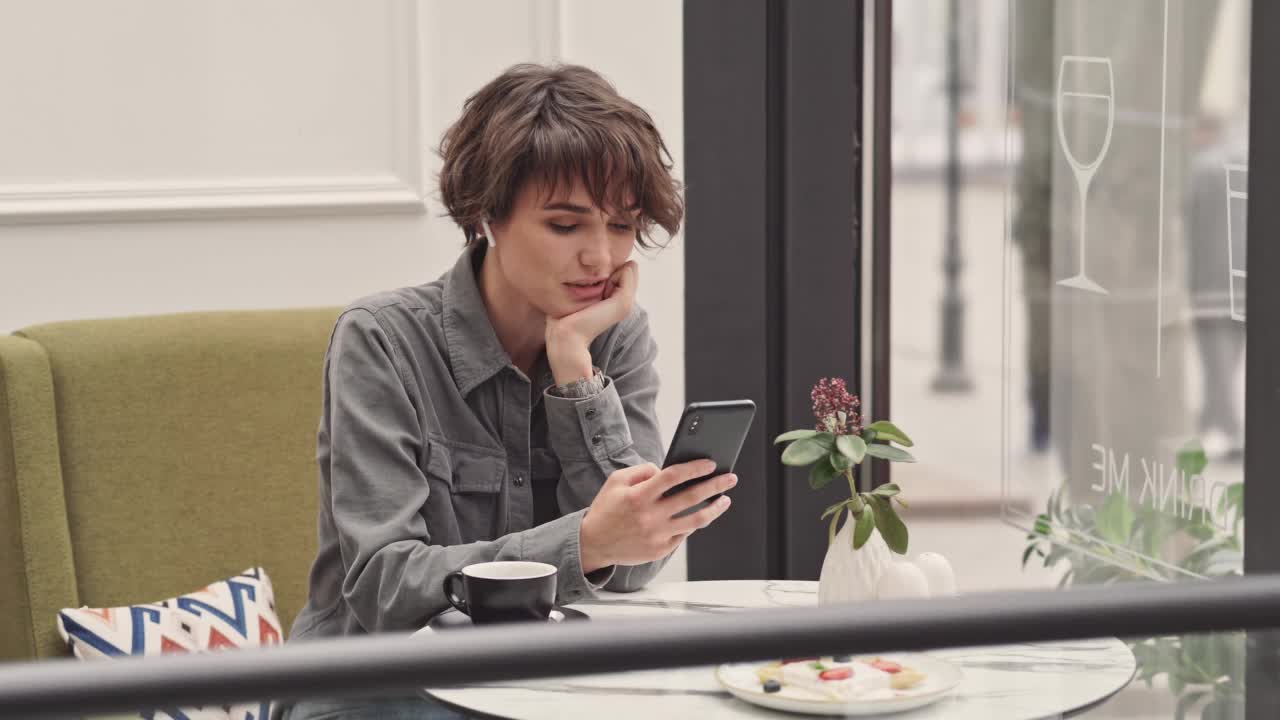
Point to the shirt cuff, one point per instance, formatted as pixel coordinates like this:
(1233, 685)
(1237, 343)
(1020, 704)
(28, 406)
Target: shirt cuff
(588, 428)
(559, 543)
(584, 388)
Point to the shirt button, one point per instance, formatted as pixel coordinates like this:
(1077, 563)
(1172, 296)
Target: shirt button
(591, 413)
(519, 481)
(597, 439)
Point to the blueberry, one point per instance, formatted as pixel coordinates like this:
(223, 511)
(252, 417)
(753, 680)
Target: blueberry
(843, 658)
(772, 686)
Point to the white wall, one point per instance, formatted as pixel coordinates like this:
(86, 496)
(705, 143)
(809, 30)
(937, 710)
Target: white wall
(189, 155)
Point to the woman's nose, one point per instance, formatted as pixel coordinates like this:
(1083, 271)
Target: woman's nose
(595, 250)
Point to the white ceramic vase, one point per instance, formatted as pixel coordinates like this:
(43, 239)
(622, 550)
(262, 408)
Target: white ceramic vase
(850, 575)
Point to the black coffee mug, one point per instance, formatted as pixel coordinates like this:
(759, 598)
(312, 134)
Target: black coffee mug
(503, 591)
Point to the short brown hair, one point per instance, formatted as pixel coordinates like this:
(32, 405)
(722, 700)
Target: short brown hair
(556, 124)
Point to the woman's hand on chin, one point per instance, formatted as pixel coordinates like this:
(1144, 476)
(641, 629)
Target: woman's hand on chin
(569, 337)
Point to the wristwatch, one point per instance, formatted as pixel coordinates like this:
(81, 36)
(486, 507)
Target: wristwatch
(584, 388)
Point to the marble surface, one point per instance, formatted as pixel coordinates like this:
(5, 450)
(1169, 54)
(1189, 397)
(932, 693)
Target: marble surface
(1011, 682)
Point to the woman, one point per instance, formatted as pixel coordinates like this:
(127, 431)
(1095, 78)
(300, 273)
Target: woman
(506, 410)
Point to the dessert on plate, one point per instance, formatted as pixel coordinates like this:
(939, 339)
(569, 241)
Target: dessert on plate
(840, 678)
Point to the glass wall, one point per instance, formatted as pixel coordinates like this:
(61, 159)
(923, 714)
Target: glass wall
(949, 197)
(1126, 270)
(1068, 239)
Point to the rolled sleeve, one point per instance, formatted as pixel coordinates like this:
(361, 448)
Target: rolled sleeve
(593, 428)
(559, 543)
(614, 429)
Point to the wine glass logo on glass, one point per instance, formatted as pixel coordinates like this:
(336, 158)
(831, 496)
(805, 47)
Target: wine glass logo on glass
(1085, 85)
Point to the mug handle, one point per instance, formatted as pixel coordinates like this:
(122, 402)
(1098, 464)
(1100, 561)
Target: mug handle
(452, 596)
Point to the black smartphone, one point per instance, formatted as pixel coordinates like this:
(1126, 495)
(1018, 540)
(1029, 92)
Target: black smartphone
(709, 430)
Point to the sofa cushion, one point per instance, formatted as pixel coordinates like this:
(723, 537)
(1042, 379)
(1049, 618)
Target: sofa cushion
(233, 613)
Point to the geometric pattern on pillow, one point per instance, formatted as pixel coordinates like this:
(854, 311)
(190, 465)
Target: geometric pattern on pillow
(236, 612)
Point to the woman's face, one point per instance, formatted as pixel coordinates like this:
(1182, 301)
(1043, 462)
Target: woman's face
(557, 251)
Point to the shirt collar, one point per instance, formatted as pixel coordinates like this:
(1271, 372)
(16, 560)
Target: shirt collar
(475, 355)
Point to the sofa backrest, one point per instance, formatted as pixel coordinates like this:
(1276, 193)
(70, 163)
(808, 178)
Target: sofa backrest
(185, 448)
(36, 573)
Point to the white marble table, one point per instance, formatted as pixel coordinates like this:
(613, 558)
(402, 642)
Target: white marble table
(1013, 682)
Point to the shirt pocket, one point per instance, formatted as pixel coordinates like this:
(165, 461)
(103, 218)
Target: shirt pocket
(474, 480)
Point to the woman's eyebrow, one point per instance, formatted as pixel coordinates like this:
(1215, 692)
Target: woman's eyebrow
(628, 214)
(567, 206)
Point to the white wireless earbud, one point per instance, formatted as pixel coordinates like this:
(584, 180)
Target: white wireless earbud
(488, 232)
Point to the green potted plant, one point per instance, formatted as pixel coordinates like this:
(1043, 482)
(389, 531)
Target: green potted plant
(859, 552)
(1080, 542)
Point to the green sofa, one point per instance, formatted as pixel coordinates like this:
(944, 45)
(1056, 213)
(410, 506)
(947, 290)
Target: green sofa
(141, 458)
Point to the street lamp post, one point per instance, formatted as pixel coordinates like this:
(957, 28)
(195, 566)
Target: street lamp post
(952, 376)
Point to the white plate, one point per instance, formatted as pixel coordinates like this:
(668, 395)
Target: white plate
(941, 677)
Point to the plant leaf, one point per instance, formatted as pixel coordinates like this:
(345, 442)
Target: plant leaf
(840, 461)
(889, 452)
(889, 431)
(891, 526)
(1042, 524)
(1027, 555)
(852, 447)
(826, 440)
(1205, 550)
(1235, 494)
(1115, 520)
(831, 531)
(862, 530)
(834, 508)
(822, 474)
(802, 452)
(795, 435)
(887, 490)
(1191, 458)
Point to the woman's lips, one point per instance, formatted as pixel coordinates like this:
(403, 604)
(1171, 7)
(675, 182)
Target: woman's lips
(586, 292)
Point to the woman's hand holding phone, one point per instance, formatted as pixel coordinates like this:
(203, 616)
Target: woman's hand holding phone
(631, 523)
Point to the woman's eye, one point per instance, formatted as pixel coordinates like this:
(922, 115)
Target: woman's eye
(563, 229)
(622, 227)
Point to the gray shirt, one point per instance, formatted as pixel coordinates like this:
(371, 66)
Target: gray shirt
(431, 443)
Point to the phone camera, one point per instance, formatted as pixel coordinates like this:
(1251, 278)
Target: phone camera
(693, 425)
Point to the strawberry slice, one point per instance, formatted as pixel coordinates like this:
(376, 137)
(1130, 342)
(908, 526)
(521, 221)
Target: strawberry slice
(843, 673)
(887, 666)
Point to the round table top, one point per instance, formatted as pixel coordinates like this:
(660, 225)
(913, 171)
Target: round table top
(1013, 682)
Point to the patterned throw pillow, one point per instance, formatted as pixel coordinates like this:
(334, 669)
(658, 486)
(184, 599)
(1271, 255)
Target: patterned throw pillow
(233, 613)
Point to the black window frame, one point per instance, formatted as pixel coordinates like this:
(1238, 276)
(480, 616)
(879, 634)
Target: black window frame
(773, 252)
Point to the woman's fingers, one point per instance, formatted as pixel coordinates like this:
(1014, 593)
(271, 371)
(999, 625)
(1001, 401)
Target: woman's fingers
(627, 277)
(672, 476)
(697, 493)
(704, 517)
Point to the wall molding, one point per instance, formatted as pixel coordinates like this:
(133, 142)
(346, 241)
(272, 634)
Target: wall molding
(398, 190)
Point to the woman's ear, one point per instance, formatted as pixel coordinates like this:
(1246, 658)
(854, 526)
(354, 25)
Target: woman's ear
(488, 232)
